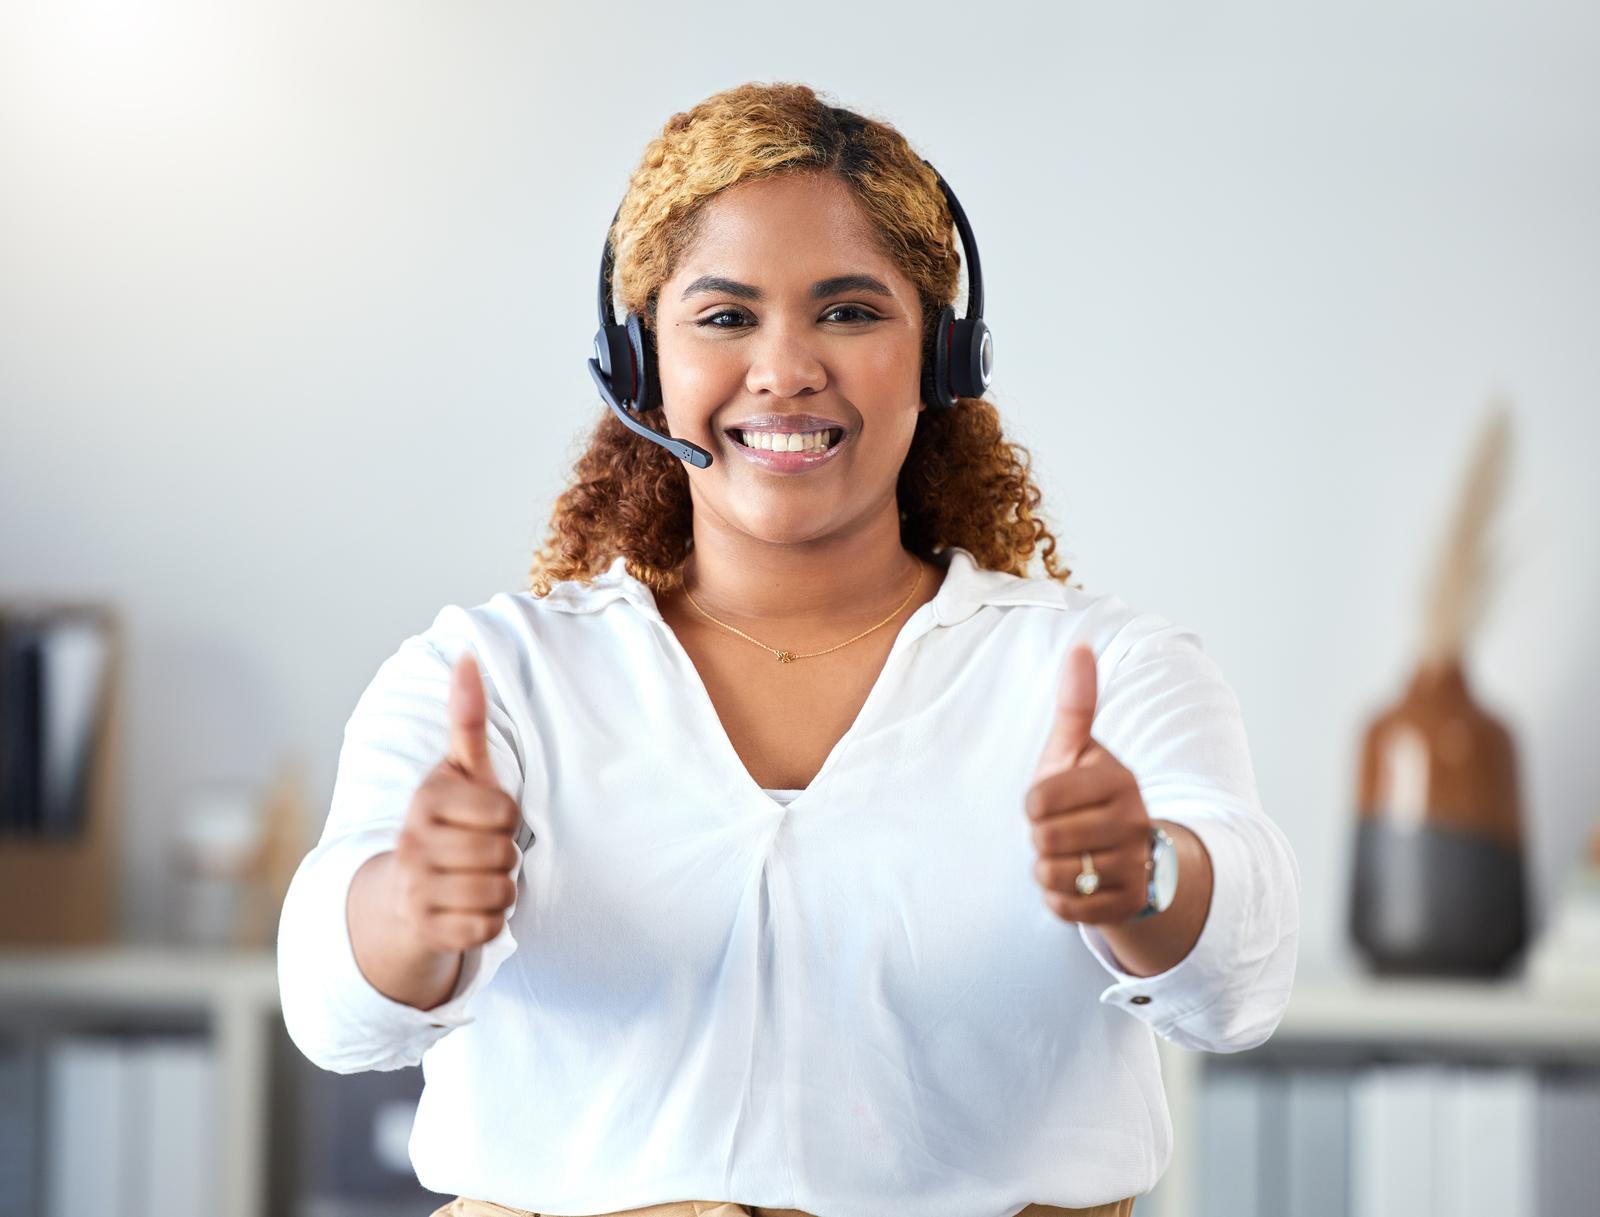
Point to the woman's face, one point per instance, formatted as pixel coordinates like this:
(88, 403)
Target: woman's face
(785, 306)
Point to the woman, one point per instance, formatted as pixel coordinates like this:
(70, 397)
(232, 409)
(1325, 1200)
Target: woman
(786, 848)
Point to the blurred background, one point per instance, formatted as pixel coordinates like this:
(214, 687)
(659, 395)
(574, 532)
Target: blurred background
(1295, 307)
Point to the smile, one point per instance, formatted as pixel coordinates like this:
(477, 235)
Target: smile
(796, 461)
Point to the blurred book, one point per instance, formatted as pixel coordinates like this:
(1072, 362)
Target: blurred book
(1317, 1143)
(1486, 1160)
(54, 666)
(1396, 1112)
(130, 1126)
(1567, 1143)
(179, 1142)
(1229, 1135)
(88, 1112)
(21, 703)
(19, 1129)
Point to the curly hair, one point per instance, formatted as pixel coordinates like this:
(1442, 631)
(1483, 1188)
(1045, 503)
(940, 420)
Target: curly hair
(961, 483)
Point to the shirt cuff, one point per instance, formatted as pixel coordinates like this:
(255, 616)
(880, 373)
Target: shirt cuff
(346, 1024)
(1169, 1000)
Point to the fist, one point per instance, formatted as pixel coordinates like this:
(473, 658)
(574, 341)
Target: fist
(1083, 802)
(457, 847)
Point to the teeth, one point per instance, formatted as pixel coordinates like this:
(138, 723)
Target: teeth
(795, 441)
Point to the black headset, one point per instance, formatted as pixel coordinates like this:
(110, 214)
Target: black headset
(624, 363)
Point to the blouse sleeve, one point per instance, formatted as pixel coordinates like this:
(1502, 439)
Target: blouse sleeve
(397, 733)
(1167, 714)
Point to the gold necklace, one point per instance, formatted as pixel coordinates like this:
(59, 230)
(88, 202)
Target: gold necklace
(790, 656)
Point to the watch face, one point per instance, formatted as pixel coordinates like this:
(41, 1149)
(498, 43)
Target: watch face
(1164, 876)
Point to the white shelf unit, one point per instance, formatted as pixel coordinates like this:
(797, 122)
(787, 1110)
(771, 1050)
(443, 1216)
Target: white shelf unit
(1424, 1017)
(237, 995)
(234, 993)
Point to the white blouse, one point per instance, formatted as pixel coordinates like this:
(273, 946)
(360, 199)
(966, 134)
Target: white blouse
(849, 999)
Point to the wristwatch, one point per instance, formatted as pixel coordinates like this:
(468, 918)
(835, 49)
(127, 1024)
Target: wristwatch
(1162, 870)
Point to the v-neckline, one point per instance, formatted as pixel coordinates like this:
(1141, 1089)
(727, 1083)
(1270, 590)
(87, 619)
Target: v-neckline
(922, 619)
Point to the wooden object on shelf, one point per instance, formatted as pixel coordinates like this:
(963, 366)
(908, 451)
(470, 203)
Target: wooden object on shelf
(65, 891)
(285, 840)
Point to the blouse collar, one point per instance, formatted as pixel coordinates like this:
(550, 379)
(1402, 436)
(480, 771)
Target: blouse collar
(967, 587)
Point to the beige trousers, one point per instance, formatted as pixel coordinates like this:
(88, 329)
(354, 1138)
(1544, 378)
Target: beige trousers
(463, 1207)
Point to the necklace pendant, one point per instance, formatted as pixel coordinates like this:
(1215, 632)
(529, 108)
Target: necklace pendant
(785, 656)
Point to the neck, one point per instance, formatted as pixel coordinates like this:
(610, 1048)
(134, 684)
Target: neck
(826, 583)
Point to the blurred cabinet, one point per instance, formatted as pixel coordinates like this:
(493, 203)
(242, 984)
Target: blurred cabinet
(292, 1139)
(1404, 1079)
(287, 1138)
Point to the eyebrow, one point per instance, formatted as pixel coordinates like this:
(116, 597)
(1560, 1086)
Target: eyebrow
(819, 290)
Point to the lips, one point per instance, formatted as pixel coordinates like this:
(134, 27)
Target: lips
(790, 462)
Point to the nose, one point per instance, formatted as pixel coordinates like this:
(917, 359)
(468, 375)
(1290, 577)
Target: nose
(784, 364)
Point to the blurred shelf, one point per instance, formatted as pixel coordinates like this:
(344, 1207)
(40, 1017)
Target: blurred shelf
(237, 988)
(1353, 1008)
(140, 976)
(1508, 1013)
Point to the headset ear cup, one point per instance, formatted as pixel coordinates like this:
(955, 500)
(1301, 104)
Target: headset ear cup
(972, 358)
(644, 358)
(613, 352)
(943, 398)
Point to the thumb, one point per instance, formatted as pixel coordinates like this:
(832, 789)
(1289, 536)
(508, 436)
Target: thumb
(469, 740)
(1075, 701)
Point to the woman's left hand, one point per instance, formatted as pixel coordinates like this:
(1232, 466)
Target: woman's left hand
(1083, 801)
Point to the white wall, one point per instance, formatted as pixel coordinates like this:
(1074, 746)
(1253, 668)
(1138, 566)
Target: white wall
(295, 299)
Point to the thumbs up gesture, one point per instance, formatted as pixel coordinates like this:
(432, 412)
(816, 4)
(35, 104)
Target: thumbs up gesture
(1090, 826)
(457, 846)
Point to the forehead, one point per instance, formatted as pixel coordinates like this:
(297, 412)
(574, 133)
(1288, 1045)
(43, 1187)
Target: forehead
(797, 226)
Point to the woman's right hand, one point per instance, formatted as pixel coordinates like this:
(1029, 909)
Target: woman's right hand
(446, 885)
(452, 882)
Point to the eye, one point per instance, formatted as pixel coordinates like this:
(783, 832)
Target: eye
(712, 322)
(727, 312)
(861, 313)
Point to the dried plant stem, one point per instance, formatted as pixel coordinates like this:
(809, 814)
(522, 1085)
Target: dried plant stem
(1457, 597)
